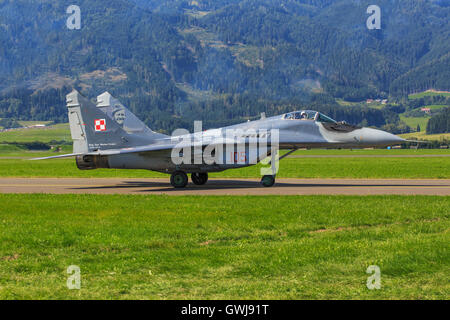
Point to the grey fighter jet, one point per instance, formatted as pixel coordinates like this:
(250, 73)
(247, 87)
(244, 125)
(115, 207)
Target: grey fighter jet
(108, 135)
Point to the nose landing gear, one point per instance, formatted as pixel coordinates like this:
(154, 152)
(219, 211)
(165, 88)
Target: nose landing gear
(268, 181)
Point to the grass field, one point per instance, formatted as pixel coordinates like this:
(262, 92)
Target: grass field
(411, 167)
(271, 247)
(423, 136)
(412, 122)
(225, 247)
(7, 150)
(436, 106)
(55, 132)
(32, 123)
(14, 163)
(428, 93)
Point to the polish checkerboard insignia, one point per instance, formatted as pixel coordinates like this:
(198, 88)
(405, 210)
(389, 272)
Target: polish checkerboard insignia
(100, 125)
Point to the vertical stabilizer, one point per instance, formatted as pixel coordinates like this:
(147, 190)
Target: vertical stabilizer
(123, 116)
(91, 129)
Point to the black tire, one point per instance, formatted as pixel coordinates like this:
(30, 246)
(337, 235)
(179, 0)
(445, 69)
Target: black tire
(179, 179)
(199, 178)
(268, 181)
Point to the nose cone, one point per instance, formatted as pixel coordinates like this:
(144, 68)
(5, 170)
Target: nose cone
(374, 137)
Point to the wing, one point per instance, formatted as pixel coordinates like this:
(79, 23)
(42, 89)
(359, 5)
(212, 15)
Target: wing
(166, 144)
(140, 149)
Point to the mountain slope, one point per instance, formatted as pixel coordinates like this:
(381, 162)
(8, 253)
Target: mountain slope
(172, 60)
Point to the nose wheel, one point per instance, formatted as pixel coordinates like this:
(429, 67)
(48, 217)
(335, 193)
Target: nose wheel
(179, 179)
(268, 181)
(199, 178)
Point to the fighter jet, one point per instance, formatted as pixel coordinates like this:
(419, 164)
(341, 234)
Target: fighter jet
(108, 135)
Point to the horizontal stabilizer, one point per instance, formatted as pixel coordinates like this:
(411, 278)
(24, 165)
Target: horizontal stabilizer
(60, 156)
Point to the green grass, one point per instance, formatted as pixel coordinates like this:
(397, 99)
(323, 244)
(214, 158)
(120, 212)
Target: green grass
(345, 103)
(221, 247)
(368, 152)
(415, 167)
(31, 123)
(6, 149)
(374, 104)
(10, 150)
(422, 121)
(423, 136)
(56, 132)
(428, 93)
(412, 122)
(436, 106)
(14, 163)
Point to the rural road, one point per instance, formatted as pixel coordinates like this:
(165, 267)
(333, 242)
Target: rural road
(226, 186)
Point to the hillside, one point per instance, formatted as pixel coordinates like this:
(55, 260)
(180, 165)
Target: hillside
(219, 61)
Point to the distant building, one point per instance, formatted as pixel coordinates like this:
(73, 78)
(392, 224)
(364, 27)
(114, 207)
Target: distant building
(384, 101)
(369, 100)
(426, 110)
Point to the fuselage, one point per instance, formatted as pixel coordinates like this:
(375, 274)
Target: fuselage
(108, 135)
(248, 143)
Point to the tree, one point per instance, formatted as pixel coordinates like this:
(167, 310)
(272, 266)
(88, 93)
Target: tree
(439, 123)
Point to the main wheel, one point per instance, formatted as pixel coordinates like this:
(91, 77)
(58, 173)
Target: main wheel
(199, 178)
(268, 181)
(179, 179)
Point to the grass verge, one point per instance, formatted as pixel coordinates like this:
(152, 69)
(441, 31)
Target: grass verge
(222, 247)
(411, 168)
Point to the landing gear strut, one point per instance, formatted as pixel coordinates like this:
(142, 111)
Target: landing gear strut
(179, 179)
(268, 181)
(199, 178)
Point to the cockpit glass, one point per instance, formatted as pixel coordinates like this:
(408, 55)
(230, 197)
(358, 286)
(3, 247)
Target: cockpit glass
(324, 118)
(308, 115)
(300, 115)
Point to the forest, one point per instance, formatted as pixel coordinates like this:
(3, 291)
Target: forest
(222, 61)
(439, 123)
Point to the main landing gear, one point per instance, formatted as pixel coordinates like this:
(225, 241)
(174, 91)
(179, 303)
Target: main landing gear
(268, 181)
(199, 178)
(179, 179)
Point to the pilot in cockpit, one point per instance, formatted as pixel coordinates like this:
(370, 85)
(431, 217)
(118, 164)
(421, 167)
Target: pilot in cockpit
(303, 115)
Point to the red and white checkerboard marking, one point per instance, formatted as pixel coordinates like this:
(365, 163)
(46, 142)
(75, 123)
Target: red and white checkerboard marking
(100, 125)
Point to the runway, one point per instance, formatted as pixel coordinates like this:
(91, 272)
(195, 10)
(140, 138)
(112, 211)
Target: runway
(226, 186)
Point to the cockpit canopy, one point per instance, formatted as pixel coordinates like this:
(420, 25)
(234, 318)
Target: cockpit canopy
(308, 115)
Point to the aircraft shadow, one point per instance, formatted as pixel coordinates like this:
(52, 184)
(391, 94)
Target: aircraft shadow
(236, 184)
